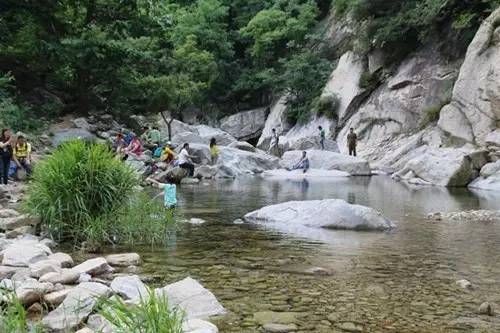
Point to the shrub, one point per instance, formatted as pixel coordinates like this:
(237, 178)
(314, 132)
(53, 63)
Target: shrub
(78, 185)
(152, 314)
(369, 81)
(327, 105)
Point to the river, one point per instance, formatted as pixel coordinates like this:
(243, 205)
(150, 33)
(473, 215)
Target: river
(337, 281)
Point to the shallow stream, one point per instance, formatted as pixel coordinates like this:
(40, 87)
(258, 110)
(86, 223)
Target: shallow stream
(337, 281)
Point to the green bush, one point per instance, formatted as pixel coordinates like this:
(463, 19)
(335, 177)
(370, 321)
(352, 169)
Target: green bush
(78, 185)
(327, 105)
(152, 314)
(369, 81)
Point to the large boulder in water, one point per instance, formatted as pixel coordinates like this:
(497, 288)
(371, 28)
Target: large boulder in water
(320, 159)
(474, 111)
(245, 125)
(330, 214)
(444, 167)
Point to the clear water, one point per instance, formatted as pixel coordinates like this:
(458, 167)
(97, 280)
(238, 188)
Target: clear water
(401, 281)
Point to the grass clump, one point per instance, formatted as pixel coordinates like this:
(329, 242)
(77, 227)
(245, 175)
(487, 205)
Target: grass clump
(77, 186)
(14, 317)
(151, 315)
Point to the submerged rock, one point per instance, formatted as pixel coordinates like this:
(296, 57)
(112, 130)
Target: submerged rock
(198, 326)
(486, 309)
(330, 214)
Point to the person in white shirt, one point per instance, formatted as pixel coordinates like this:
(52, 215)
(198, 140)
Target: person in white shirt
(185, 161)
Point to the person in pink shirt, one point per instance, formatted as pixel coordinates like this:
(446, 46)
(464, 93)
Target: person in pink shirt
(134, 148)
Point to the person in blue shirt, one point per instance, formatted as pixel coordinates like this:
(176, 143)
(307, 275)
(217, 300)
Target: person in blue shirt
(169, 192)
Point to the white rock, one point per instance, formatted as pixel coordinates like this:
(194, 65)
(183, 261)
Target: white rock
(96, 266)
(57, 297)
(6, 272)
(129, 287)
(64, 276)
(64, 259)
(277, 119)
(243, 145)
(123, 259)
(12, 223)
(98, 323)
(190, 296)
(5, 213)
(198, 326)
(241, 162)
(24, 253)
(197, 221)
(76, 307)
(31, 291)
(464, 284)
(330, 214)
(45, 266)
(325, 160)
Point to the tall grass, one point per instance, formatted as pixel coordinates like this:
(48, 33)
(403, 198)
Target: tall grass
(151, 315)
(76, 186)
(13, 316)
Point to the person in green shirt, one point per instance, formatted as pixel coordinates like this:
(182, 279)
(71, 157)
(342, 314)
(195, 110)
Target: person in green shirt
(322, 136)
(154, 136)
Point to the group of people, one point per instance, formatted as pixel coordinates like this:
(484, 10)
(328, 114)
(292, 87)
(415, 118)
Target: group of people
(15, 156)
(127, 144)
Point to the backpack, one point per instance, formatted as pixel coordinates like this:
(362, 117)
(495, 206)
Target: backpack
(158, 151)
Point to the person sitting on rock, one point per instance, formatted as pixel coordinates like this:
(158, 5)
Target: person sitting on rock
(21, 156)
(185, 161)
(302, 164)
(134, 148)
(214, 151)
(154, 136)
(168, 154)
(352, 141)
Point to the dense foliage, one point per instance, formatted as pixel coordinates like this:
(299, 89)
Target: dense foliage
(141, 56)
(400, 26)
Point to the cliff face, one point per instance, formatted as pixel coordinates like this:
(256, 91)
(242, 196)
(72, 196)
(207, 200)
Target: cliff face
(401, 122)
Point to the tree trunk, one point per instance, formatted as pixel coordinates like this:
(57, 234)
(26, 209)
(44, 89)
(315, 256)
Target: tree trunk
(169, 125)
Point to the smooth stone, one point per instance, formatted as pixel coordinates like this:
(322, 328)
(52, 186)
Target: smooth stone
(57, 297)
(129, 287)
(65, 276)
(279, 328)
(486, 309)
(270, 317)
(43, 267)
(64, 259)
(124, 259)
(197, 221)
(19, 232)
(464, 284)
(93, 267)
(191, 297)
(198, 326)
(99, 324)
(24, 253)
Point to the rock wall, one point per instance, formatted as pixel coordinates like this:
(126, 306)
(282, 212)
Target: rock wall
(474, 111)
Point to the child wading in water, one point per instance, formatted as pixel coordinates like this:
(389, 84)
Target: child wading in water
(169, 195)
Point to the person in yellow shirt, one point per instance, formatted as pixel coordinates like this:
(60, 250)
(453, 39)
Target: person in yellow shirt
(168, 155)
(21, 156)
(214, 151)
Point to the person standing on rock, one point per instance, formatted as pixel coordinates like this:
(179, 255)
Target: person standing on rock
(185, 160)
(274, 145)
(6, 144)
(352, 141)
(322, 136)
(214, 151)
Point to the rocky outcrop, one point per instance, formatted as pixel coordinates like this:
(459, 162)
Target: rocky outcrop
(200, 134)
(325, 160)
(401, 105)
(445, 167)
(474, 111)
(245, 125)
(277, 119)
(329, 214)
(239, 162)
